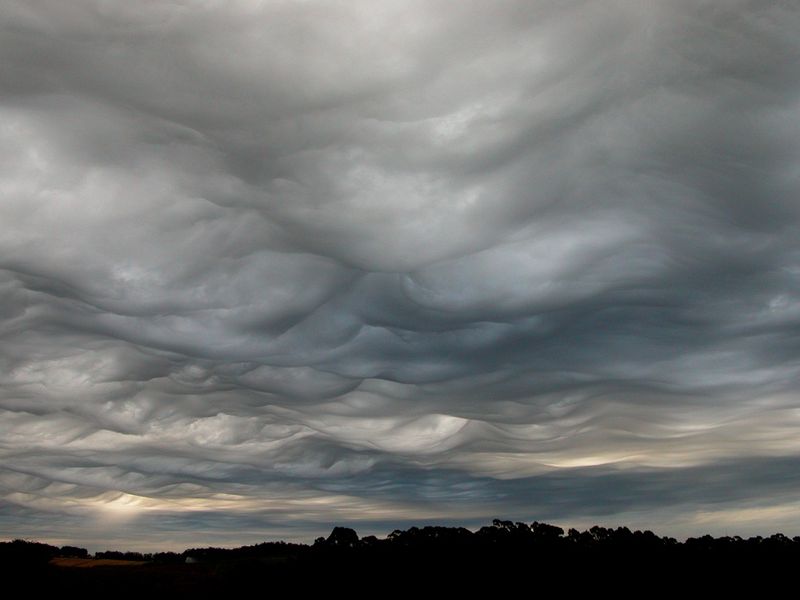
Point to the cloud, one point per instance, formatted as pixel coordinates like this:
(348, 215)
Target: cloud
(272, 266)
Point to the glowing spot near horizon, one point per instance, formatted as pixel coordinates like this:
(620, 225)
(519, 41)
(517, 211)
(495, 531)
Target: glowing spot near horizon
(119, 507)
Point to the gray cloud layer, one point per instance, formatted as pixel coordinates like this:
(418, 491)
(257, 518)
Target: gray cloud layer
(269, 266)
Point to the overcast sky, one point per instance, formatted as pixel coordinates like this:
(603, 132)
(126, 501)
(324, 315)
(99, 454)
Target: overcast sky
(270, 267)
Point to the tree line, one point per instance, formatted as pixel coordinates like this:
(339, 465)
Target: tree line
(494, 555)
(498, 537)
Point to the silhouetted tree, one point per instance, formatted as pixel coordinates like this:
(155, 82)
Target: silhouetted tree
(543, 531)
(342, 537)
(74, 552)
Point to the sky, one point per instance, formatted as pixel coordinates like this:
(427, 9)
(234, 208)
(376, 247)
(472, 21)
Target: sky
(271, 267)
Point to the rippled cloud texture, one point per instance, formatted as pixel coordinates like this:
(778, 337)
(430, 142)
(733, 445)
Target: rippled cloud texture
(266, 267)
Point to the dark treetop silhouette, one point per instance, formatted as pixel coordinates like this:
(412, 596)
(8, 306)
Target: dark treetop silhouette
(449, 556)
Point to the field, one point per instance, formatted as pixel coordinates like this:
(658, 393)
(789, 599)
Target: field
(95, 562)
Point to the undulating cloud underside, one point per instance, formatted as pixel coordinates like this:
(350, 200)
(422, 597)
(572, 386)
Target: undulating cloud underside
(266, 267)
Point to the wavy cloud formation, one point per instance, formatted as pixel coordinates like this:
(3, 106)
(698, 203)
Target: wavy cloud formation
(265, 267)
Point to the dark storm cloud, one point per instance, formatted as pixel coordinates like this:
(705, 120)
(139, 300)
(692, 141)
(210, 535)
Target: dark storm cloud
(276, 265)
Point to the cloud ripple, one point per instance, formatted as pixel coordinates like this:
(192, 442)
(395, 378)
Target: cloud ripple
(266, 267)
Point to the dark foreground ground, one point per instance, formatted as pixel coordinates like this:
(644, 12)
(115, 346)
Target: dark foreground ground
(502, 559)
